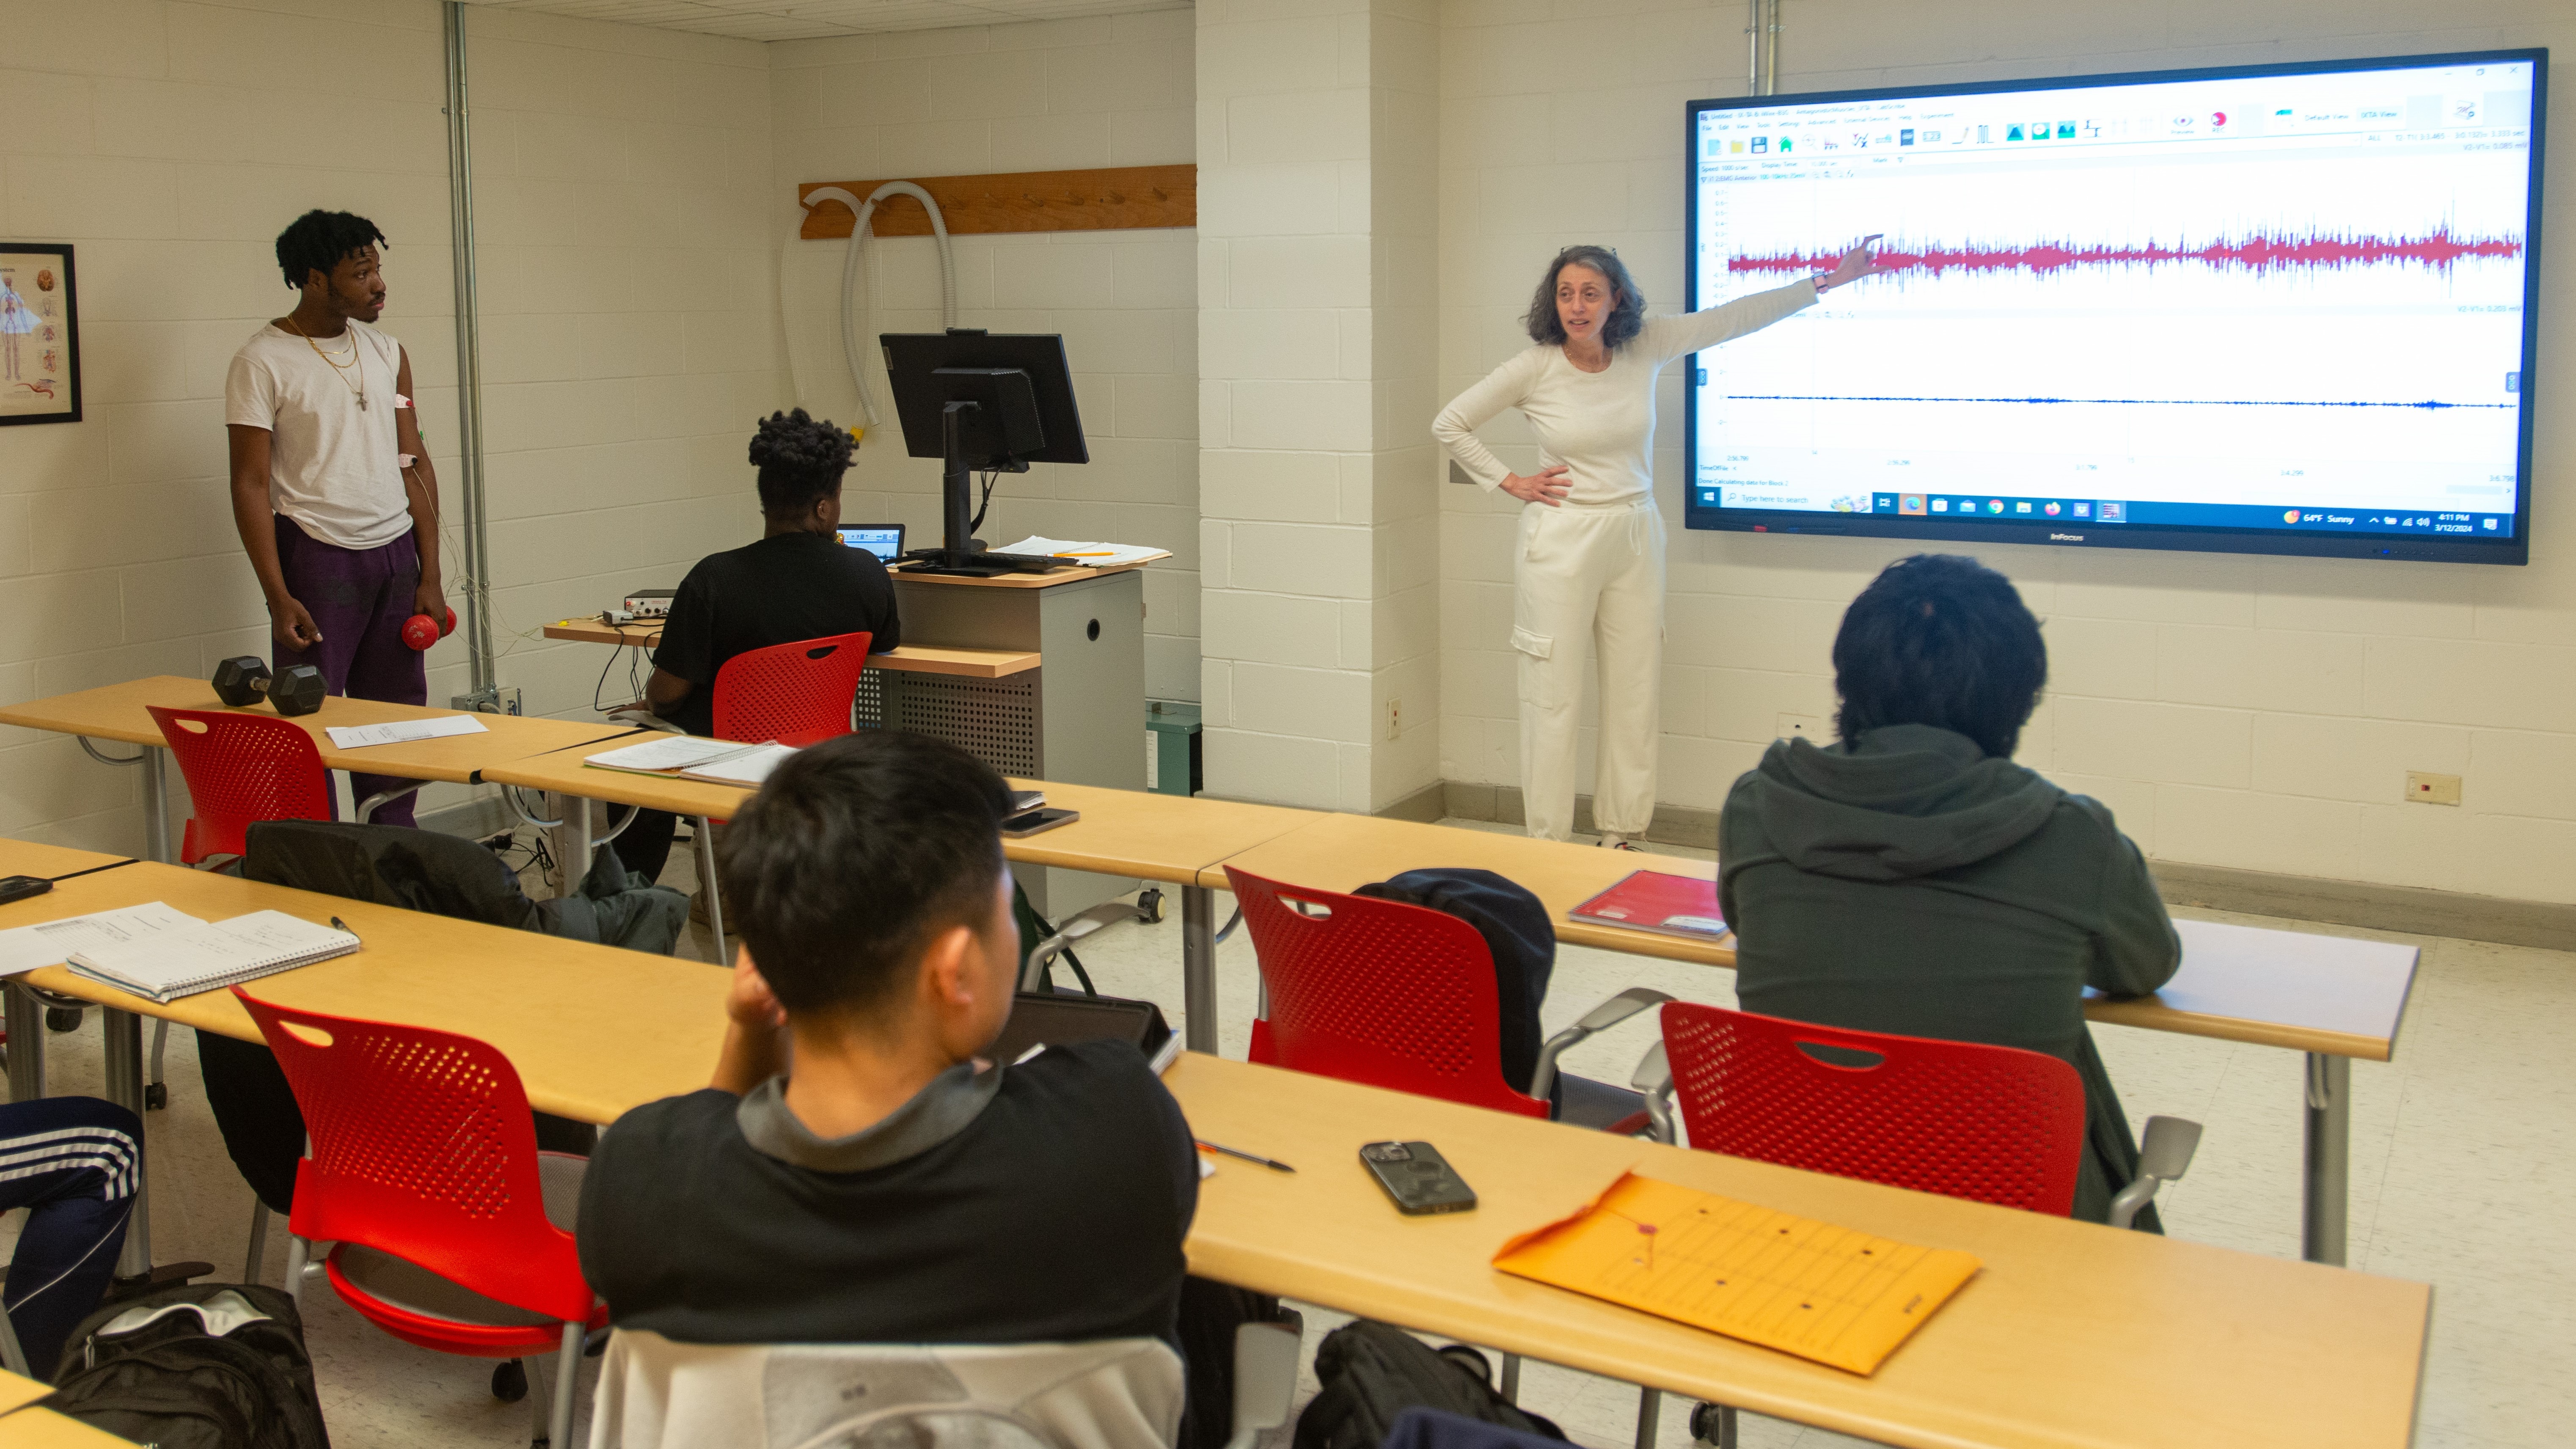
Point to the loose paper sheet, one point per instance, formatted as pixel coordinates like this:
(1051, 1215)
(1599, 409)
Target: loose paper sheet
(52, 943)
(404, 731)
(1821, 1292)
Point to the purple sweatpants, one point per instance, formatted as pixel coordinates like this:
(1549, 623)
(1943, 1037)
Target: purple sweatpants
(359, 598)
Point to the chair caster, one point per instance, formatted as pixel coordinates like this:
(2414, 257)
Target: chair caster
(156, 1096)
(1713, 1425)
(509, 1381)
(62, 1018)
(1149, 906)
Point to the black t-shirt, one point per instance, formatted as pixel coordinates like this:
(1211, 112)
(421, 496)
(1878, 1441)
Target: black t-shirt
(784, 588)
(1044, 1202)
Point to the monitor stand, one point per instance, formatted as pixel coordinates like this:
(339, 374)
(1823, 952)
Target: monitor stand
(961, 554)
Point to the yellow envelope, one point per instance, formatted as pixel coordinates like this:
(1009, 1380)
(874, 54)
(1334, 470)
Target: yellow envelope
(1821, 1292)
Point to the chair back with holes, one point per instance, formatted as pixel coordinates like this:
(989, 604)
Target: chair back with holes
(1377, 992)
(240, 769)
(1989, 1123)
(423, 1148)
(796, 694)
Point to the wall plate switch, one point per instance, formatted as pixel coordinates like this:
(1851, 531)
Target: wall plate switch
(1803, 727)
(1395, 719)
(2427, 789)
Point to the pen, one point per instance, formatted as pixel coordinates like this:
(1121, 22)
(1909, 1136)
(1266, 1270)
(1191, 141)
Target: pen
(1272, 1164)
(340, 925)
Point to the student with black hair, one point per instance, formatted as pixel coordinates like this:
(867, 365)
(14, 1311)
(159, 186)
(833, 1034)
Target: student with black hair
(797, 582)
(859, 1171)
(1910, 878)
(333, 492)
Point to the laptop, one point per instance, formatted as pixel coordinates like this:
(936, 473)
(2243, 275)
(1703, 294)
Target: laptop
(885, 540)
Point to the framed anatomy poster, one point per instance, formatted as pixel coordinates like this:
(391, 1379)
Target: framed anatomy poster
(39, 335)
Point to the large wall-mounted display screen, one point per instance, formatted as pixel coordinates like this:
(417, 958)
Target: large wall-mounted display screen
(2276, 309)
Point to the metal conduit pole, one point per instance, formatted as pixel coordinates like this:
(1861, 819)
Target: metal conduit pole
(469, 362)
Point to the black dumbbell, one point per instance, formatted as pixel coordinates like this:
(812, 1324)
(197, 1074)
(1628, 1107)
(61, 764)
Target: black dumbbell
(242, 680)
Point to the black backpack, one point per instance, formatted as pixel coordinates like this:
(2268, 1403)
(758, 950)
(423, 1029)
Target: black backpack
(1516, 929)
(171, 1383)
(1370, 1373)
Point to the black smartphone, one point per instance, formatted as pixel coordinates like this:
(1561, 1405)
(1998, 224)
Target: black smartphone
(19, 887)
(1418, 1177)
(1030, 822)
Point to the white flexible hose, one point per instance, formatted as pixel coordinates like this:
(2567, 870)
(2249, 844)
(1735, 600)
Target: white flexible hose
(853, 311)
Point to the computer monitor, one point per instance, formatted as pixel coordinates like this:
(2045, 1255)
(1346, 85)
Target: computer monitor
(885, 540)
(981, 402)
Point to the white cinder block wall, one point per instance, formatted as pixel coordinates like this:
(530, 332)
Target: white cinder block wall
(630, 328)
(2248, 712)
(1317, 138)
(1040, 96)
(169, 144)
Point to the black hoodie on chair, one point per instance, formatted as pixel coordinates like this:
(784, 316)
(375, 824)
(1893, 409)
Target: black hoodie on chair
(1913, 884)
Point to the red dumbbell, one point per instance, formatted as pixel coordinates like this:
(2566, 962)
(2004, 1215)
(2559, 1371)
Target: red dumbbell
(420, 631)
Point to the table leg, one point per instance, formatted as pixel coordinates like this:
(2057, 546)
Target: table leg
(2329, 1165)
(124, 1058)
(156, 803)
(26, 1042)
(571, 842)
(1198, 966)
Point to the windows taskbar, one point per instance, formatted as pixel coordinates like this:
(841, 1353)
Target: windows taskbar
(2284, 517)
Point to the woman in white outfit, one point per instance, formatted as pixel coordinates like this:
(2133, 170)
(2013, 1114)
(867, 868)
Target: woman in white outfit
(1589, 567)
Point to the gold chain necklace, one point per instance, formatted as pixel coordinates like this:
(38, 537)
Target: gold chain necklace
(339, 370)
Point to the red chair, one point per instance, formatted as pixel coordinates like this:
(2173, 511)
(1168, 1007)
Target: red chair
(1963, 1119)
(241, 768)
(1988, 1123)
(1403, 997)
(796, 694)
(448, 1228)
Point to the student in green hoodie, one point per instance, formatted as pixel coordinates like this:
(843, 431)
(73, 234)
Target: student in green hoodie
(1911, 878)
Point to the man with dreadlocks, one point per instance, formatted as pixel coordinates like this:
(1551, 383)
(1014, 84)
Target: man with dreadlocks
(797, 582)
(332, 490)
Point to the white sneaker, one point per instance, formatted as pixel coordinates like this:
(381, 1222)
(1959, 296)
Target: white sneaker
(1618, 842)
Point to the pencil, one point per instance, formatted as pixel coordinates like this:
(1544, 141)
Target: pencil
(1271, 1163)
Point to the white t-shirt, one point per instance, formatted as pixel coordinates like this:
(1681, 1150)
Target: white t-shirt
(331, 463)
(1601, 425)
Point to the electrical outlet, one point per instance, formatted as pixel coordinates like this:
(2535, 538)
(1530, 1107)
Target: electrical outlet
(1802, 727)
(2426, 789)
(1395, 719)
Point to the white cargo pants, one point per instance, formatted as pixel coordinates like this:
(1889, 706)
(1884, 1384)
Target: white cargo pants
(1589, 579)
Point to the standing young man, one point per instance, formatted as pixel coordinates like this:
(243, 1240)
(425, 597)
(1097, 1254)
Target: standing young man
(332, 490)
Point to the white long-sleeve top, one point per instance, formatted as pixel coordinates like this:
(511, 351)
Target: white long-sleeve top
(1600, 425)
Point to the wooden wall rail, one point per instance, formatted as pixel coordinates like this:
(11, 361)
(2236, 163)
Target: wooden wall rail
(1110, 199)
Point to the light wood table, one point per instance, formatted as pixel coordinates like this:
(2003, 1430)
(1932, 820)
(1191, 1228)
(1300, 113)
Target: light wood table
(16, 1392)
(118, 712)
(33, 1428)
(2072, 1335)
(1168, 838)
(903, 659)
(592, 1029)
(2331, 997)
(1049, 579)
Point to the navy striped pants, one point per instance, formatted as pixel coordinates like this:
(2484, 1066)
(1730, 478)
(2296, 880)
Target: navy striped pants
(76, 1162)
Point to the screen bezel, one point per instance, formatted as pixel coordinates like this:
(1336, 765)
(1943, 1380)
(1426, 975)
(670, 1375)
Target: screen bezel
(2438, 549)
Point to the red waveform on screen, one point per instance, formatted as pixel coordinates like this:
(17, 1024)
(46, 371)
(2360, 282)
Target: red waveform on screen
(2259, 253)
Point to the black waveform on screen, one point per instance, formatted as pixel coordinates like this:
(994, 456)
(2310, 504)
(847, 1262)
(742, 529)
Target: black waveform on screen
(2259, 252)
(2134, 402)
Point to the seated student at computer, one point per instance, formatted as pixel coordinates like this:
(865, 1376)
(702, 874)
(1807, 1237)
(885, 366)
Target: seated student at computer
(857, 1173)
(1911, 878)
(797, 582)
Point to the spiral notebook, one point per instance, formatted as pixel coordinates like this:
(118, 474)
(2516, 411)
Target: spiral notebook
(211, 955)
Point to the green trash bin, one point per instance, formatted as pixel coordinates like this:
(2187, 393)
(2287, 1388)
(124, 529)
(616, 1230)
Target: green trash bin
(1172, 748)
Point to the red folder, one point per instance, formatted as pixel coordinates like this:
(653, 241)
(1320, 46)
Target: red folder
(1668, 905)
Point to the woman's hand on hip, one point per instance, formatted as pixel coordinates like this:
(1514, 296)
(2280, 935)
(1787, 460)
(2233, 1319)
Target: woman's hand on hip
(1547, 486)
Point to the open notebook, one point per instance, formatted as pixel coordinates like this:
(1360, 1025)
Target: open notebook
(208, 956)
(690, 757)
